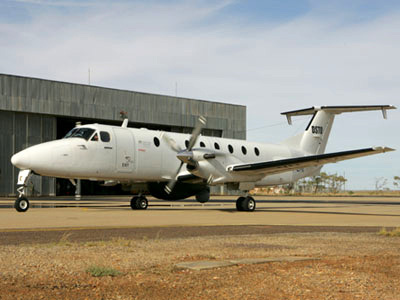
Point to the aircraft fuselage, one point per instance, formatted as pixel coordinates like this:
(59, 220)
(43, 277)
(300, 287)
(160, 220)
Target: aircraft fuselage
(141, 155)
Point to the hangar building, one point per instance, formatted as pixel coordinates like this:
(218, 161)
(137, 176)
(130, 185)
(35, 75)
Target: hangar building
(36, 110)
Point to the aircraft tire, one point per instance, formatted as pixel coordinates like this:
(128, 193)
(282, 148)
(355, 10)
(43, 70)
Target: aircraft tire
(21, 204)
(203, 196)
(249, 204)
(239, 203)
(134, 202)
(142, 203)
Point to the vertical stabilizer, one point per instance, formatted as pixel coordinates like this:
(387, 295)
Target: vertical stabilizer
(316, 135)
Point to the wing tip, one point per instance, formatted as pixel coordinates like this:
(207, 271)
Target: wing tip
(383, 149)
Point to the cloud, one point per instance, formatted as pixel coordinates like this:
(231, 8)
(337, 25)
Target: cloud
(322, 56)
(57, 3)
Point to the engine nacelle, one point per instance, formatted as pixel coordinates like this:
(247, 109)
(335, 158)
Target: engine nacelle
(204, 166)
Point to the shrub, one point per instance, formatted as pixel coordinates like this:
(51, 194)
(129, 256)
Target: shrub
(100, 271)
(394, 232)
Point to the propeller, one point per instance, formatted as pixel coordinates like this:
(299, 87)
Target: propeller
(201, 122)
(171, 183)
(171, 142)
(185, 155)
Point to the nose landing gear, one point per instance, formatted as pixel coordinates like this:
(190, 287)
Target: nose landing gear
(22, 203)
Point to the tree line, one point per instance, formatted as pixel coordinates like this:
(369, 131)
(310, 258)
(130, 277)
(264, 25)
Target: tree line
(333, 183)
(323, 183)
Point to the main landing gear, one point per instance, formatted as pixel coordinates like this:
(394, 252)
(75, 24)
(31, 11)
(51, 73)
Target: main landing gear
(139, 202)
(245, 204)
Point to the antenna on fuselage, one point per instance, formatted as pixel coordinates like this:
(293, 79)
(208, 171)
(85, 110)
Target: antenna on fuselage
(124, 115)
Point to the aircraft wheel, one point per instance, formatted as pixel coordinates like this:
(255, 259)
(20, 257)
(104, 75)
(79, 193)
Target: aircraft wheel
(239, 203)
(134, 202)
(249, 204)
(21, 204)
(203, 196)
(142, 203)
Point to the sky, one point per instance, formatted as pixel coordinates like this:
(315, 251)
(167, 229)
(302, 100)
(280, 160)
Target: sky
(271, 56)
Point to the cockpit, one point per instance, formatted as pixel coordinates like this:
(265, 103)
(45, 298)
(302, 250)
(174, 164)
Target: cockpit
(88, 134)
(81, 132)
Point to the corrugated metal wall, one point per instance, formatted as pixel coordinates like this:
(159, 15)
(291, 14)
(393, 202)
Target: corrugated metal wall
(17, 132)
(25, 94)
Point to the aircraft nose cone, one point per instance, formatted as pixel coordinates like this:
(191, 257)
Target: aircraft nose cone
(14, 160)
(20, 160)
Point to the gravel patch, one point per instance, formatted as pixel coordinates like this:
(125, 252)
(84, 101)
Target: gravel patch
(347, 266)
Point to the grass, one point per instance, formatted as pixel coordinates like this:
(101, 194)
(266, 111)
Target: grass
(64, 240)
(394, 232)
(101, 271)
(118, 241)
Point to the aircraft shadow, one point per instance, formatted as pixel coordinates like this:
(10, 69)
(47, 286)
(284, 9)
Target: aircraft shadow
(263, 210)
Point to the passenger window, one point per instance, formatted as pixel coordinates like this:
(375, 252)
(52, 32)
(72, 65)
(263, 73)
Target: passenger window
(95, 138)
(244, 150)
(105, 136)
(216, 146)
(256, 151)
(202, 145)
(230, 148)
(156, 141)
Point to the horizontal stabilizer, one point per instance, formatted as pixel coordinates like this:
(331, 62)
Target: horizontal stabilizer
(289, 164)
(336, 110)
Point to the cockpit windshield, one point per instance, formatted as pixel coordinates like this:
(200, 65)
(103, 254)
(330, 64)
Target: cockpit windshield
(84, 133)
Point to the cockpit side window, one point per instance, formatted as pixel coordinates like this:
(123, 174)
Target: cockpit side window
(84, 133)
(105, 136)
(95, 138)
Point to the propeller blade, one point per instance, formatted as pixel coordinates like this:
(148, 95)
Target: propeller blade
(201, 122)
(171, 142)
(171, 183)
(184, 156)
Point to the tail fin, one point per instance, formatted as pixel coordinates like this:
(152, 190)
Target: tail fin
(314, 139)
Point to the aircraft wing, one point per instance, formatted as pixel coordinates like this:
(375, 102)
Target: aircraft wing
(289, 164)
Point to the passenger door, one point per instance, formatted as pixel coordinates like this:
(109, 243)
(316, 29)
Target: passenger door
(125, 146)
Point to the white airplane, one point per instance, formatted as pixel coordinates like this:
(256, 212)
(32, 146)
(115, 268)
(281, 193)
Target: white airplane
(173, 166)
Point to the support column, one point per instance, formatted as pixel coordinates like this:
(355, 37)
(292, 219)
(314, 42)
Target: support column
(78, 190)
(78, 181)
